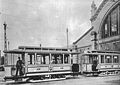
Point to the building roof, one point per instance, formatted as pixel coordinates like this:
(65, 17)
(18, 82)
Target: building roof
(83, 35)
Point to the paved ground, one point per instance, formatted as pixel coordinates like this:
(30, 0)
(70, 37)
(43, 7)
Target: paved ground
(81, 80)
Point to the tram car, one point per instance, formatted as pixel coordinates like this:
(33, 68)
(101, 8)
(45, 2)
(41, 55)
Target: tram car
(39, 64)
(43, 63)
(99, 62)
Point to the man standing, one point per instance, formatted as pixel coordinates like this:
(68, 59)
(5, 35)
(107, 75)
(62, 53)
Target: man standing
(19, 66)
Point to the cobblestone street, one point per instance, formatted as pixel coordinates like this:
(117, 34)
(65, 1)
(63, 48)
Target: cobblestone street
(81, 80)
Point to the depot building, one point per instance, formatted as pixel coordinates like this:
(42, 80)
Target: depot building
(104, 33)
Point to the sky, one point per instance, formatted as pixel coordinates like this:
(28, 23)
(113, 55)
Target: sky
(35, 22)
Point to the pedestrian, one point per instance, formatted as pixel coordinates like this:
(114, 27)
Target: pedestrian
(19, 66)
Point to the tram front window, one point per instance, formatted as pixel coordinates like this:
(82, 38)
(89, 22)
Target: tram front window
(93, 58)
(86, 59)
(115, 59)
(108, 59)
(12, 58)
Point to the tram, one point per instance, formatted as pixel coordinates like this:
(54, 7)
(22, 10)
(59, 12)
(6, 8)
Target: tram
(59, 63)
(40, 64)
(100, 62)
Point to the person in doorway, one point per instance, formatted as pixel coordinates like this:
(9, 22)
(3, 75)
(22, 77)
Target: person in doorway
(19, 66)
(94, 66)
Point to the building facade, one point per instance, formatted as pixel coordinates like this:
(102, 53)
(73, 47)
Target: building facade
(105, 24)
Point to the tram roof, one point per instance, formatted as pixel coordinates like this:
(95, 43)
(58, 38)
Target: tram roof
(96, 52)
(36, 51)
(100, 52)
(42, 48)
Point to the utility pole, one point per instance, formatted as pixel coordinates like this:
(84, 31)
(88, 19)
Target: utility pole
(67, 38)
(5, 36)
(5, 43)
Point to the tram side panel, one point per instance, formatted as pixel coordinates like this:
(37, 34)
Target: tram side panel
(109, 63)
(47, 68)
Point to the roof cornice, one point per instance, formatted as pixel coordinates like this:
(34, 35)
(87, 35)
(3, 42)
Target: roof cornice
(93, 18)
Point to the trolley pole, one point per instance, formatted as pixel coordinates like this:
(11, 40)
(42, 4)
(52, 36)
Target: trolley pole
(67, 38)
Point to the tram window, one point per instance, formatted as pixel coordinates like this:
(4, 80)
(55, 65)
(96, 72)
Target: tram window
(108, 59)
(43, 59)
(47, 59)
(31, 59)
(102, 58)
(92, 58)
(86, 59)
(53, 59)
(66, 58)
(115, 59)
(38, 58)
(11, 59)
(60, 59)
(57, 59)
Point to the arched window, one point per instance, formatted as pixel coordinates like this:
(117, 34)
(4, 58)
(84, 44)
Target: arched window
(114, 22)
(111, 25)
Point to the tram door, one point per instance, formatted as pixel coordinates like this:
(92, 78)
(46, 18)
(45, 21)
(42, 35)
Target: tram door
(89, 62)
(94, 61)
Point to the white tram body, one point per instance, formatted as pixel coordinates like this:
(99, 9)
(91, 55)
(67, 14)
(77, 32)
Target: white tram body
(42, 64)
(39, 63)
(107, 62)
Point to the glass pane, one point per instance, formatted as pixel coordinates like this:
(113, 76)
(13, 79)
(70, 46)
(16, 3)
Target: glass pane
(52, 59)
(108, 59)
(60, 59)
(114, 20)
(31, 58)
(115, 59)
(12, 58)
(43, 59)
(57, 59)
(90, 59)
(38, 59)
(106, 28)
(66, 58)
(102, 58)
